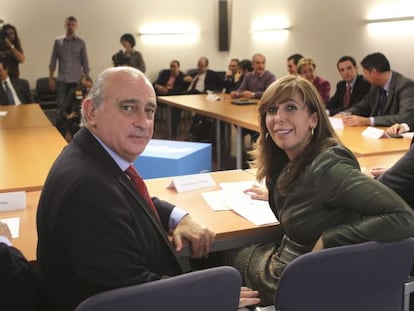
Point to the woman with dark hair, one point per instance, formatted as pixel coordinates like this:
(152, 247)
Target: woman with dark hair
(11, 51)
(316, 188)
(129, 57)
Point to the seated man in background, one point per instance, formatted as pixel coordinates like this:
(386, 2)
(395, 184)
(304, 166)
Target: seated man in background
(171, 82)
(307, 70)
(19, 288)
(232, 76)
(13, 91)
(256, 82)
(292, 63)
(203, 79)
(390, 99)
(351, 89)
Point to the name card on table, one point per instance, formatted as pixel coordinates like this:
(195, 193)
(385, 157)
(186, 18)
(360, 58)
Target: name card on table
(12, 201)
(373, 132)
(192, 182)
(3, 113)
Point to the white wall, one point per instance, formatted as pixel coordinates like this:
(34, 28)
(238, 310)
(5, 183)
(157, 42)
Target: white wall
(323, 29)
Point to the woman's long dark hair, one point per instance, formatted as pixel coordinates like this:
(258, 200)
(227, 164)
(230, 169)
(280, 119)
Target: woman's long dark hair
(270, 159)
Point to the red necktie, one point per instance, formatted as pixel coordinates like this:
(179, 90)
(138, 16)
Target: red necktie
(141, 188)
(347, 96)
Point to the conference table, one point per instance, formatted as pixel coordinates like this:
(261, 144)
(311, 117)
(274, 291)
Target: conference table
(23, 116)
(246, 116)
(29, 146)
(231, 229)
(26, 155)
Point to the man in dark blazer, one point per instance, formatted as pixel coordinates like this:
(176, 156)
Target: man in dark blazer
(96, 231)
(19, 87)
(171, 82)
(358, 86)
(390, 99)
(19, 288)
(204, 79)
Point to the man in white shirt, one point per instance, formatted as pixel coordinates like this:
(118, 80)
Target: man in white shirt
(13, 91)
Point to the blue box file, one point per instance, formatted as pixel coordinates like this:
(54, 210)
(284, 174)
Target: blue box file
(163, 158)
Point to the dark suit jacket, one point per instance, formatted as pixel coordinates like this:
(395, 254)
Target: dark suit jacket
(95, 232)
(179, 86)
(400, 102)
(21, 86)
(360, 89)
(212, 82)
(400, 177)
(19, 288)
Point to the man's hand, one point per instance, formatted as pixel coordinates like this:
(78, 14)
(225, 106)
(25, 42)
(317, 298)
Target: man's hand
(397, 129)
(200, 237)
(247, 94)
(248, 297)
(5, 231)
(355, 120)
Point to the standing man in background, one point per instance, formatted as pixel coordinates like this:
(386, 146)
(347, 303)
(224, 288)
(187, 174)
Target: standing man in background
(70, 51)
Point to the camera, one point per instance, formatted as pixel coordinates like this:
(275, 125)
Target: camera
(119, 59)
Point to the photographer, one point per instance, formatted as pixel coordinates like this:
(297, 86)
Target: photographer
(11, 51)
(70, 114)
(129, 57)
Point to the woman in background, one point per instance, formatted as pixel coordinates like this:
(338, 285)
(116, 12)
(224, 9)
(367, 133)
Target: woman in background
(129, 57)
(11, 51)
(307, 69)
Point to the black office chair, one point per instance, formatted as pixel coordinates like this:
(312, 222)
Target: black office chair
(43, 95)
(366, 276)
(215, 289)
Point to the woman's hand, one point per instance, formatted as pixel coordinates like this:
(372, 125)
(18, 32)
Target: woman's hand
(258, 193)
(248, 297)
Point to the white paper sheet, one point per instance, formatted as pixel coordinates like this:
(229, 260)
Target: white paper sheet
(232, 197)
(3, 113)
(336, 123)
(373, 132)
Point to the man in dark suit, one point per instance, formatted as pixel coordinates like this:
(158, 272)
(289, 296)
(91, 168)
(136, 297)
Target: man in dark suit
(351, 89)
(171, 82)
(13, 91)
(19, 288)
(390, 99)
(96, 229)
(204, 79)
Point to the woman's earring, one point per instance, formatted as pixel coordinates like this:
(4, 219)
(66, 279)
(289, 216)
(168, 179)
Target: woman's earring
(267, 136)
(312, 130)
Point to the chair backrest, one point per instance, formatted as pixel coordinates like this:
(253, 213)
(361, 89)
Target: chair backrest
(215, 289)
(43, 95)
(43, 91)
(365, 276)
